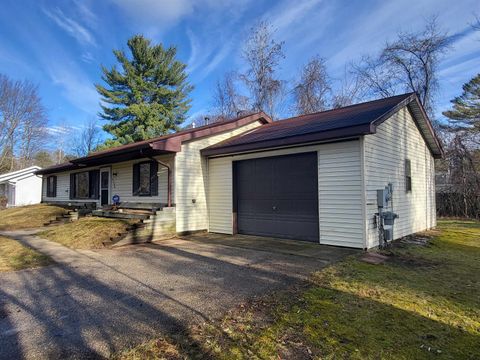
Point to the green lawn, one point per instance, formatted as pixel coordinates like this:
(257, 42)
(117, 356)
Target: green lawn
(15, 256)
(423, 303)
(31, 216)
(87, 232)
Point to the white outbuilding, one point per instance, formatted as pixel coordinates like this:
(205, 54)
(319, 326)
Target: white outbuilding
(21, 187)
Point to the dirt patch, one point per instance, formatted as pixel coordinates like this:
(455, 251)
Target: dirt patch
(410, 261)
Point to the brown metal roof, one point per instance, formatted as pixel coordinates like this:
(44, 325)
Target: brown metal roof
(170, 143)
(346, 122)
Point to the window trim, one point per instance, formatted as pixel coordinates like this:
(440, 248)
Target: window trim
(53, 192)
(75, 196)
(408, 176)
(95, 185)
(153, 179)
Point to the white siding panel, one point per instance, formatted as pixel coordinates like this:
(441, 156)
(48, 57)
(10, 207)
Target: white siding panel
(220, 195)
(340, 194)
(191, 180)
(398, 139)
(28, 190)
(63, 188)
(121, 184)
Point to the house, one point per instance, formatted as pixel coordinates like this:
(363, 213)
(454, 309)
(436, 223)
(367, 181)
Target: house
(313, 177)
(22, 187)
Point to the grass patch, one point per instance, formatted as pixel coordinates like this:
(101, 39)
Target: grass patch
(87, 232)
(15, 256)
(30, 216)
(422, 303)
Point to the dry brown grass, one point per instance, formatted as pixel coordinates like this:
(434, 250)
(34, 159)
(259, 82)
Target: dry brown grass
(30, 216)
(15, 256)
(86, 233)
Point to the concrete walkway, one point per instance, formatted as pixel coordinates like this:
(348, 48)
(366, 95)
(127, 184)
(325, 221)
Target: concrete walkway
(92, 303)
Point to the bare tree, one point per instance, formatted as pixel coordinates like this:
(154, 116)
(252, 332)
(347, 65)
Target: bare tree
(88, 139)
(351, 90)
(263, 55)
(22, 123)
(408, 64)
(379, 78)
(312, 90)
(228, 102)
(458, 192)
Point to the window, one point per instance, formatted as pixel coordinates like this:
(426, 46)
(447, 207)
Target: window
(84, 185)
(81, 185)
(145, 179)
(408, 176)
(52, 186)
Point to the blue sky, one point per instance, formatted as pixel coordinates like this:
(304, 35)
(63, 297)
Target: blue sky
(60, 45)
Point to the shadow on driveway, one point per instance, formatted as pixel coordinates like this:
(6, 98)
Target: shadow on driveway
(93, 303)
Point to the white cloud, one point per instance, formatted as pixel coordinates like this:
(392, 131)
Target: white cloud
(160, 11)
(72, 27)
(76, 87)
(215, 61)
(160, 14)
(193, 60)
(87, 57)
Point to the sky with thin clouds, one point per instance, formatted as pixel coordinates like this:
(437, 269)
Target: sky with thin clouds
(60, 45)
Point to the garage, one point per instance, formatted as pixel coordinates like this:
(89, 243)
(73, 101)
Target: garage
(277, 196)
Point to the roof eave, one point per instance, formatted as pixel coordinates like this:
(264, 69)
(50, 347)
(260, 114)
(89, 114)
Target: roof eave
(324, 136)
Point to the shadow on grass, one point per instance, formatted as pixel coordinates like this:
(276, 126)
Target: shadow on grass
(343, 324)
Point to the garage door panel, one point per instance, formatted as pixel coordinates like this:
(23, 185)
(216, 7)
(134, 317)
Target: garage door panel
(278, 196)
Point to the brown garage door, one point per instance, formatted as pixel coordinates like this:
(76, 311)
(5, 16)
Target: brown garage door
(277, 196)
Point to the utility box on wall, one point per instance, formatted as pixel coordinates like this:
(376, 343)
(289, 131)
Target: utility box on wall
(388, 234)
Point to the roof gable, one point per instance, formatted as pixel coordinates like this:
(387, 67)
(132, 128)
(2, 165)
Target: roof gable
(19, 173)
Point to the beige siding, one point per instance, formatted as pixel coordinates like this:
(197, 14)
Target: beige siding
(339, 186)
(398, 139)
(191, 180)
(220, 195)
(63, 188)
(121, 184)
(340, 194)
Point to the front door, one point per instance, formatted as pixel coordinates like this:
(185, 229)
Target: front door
(105, 186)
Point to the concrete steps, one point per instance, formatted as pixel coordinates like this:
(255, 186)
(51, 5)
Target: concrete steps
(157, 226)
(121, 215)
(68, 216)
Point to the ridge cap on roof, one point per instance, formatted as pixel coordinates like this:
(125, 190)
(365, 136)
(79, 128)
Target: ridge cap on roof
(296, 117)
(225, 143)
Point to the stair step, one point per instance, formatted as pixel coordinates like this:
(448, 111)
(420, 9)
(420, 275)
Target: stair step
(118, 215)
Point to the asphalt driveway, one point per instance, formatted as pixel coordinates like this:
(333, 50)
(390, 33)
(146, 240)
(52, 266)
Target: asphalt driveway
(93, 303)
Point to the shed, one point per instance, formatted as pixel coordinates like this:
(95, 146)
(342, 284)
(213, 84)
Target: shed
(21, 187)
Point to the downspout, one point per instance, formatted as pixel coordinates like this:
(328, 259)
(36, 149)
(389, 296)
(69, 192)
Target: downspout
(169, 176)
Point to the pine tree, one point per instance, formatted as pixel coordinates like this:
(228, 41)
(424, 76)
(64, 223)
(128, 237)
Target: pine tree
(148, 97)
(465, 114)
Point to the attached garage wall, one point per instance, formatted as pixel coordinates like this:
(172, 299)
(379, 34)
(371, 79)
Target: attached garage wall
(397, 139)
(191, 180)
(339, 186)
(340, 194)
